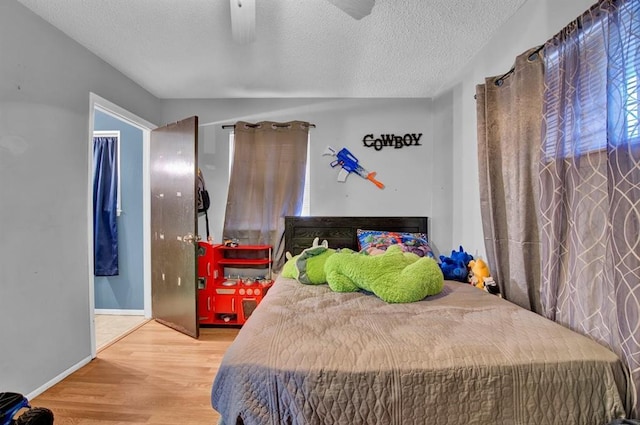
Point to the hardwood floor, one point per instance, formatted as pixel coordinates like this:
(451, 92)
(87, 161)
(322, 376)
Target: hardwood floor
(154, 375)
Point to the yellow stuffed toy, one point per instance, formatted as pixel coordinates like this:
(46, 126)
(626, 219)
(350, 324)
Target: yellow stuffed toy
(479, 273)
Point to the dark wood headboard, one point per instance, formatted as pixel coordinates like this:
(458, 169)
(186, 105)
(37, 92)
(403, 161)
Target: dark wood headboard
(340, 232)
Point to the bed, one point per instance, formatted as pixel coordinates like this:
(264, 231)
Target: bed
(308, 355)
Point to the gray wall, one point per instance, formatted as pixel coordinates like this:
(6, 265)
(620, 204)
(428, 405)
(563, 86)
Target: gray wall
(45, 81)
(126, 290)
(534, 23)
(415, 177)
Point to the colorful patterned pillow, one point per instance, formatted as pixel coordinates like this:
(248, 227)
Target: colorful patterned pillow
(372, 241)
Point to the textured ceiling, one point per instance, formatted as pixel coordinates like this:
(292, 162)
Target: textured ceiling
(303, 48)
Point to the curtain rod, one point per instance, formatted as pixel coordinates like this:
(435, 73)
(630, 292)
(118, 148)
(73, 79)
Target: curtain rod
(274, 124)
(500, 80)
(532, 56)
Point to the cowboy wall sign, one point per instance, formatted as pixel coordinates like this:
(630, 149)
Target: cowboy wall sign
(391, 141)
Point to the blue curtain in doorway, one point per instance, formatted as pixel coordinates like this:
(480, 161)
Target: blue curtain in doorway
(105, 198)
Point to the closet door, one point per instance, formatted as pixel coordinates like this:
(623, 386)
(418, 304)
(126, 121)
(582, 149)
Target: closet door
(173, 165)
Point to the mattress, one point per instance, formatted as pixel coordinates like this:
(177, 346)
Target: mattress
(308, 355)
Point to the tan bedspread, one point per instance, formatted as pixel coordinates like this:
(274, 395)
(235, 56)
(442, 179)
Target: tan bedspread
(308, 355)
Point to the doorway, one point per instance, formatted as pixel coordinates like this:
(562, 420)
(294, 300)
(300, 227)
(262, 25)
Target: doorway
(111, 301)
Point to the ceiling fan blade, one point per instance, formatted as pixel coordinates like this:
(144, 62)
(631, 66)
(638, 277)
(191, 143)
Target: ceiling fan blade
(358, 9)
(243, 20)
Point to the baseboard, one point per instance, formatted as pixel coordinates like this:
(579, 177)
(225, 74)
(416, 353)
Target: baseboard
(33, 394)
(119, 312)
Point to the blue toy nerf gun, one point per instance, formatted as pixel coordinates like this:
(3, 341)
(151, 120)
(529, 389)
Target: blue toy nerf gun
(349, 164)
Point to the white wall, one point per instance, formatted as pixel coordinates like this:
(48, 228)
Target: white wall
(45, 81)
(415, 178)
(439, 180)
(534, 23)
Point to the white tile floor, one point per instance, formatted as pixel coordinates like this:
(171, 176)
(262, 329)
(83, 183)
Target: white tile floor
(110, 328)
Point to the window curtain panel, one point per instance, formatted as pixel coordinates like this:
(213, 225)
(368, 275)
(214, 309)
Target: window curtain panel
(590, 180)
(509, 112)
(105, 198)
(266, 183)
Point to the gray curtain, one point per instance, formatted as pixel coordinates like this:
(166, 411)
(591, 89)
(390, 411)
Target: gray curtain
(590, 180)
(266, 183)
(509, 112)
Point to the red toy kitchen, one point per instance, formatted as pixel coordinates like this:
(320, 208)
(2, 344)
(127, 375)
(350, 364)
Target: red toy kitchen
(232, 280)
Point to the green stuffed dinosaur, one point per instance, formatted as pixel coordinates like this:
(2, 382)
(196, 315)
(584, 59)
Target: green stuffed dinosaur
(395, 276)
(308, 266)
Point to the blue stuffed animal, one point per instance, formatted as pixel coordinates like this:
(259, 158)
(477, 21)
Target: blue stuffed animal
(456, 266)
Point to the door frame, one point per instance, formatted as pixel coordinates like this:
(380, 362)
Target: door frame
(103, 105)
